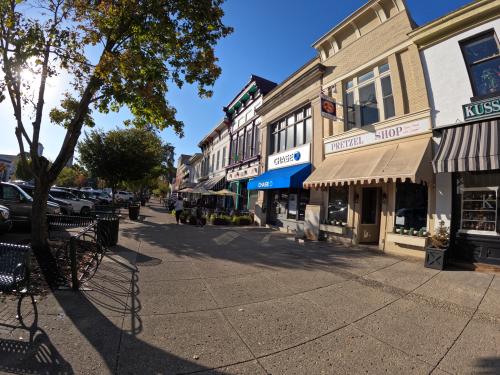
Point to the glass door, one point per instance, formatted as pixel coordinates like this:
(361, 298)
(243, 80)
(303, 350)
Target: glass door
(369, 227)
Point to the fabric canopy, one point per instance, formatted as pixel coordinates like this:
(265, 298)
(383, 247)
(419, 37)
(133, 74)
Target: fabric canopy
(215, 183)
(406, 160)
(283, 178)
(472, 147)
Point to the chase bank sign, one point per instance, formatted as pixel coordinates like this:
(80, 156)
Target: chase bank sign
(298, 155)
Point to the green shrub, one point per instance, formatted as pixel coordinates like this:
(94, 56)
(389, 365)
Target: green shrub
(220, 220)
(242, 220)
(173, 212)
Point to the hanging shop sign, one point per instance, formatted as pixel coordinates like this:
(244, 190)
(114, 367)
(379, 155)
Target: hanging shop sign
(328, 107)
(380, 135)
(298, 155)
(482, 109)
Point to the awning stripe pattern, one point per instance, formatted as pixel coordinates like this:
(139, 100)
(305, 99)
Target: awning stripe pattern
(410, 160)
(472, 147)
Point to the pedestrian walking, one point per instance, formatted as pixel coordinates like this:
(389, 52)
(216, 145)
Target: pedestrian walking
(179, 206)
(199, 213)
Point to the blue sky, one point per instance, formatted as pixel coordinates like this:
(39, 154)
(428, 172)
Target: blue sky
(272, 38)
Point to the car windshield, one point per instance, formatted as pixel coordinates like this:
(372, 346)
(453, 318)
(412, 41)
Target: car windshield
(25, 195)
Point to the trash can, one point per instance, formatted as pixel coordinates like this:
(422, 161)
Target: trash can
(107, 229)
(133, 211)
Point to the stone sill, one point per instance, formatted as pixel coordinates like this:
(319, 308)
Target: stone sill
(407, 240)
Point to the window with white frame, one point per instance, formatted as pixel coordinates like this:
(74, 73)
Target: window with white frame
(368, 97)
(482, 56)
(292, 131)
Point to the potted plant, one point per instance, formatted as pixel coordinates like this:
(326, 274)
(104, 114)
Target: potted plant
(436, 253)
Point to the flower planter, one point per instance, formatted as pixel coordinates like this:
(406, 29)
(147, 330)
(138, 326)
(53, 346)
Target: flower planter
(435, 258)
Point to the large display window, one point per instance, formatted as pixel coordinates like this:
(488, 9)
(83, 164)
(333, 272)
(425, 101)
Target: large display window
(478, 202)
(411, 206)
(338, 199)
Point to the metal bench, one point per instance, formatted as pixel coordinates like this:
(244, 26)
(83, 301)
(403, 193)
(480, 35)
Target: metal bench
(67, 224)
(14, 266)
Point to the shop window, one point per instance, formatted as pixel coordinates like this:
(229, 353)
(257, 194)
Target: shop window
(479, 203)
(368, 97)
(411, 206)
(338, 198)
(291, 132)
(218, 160)
(223, 157)
(292, 206)
(481, 54)
(303, 202)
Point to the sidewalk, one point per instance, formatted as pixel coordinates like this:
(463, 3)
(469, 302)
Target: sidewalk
(177, 299)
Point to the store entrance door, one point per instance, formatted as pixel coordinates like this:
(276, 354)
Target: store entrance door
(272, 207)
(369, 227)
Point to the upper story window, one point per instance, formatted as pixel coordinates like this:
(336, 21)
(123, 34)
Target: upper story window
(244, 144)
(368, 97)
(292, 131)
(481, 54)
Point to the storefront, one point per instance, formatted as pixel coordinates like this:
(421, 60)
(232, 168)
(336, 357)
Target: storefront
(378, 187)
(285, 199)
(471, 153)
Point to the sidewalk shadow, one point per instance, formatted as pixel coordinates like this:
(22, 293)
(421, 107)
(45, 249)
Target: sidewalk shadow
(244, 245)
(101, 331)
(37, 355)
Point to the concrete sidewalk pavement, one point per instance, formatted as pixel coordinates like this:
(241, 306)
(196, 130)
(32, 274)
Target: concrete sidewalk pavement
(178, 299)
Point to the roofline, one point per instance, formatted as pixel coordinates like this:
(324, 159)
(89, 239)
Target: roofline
(479, 12)
(252, 79)
(292, 76)
(347, 20)
(222, 124)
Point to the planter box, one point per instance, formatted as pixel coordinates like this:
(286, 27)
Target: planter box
(435, 258)
(405, 239)
(333, 229)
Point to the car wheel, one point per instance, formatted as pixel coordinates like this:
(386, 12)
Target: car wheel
(85, 211)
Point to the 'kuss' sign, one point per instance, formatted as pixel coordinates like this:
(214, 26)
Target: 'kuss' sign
(484, 108)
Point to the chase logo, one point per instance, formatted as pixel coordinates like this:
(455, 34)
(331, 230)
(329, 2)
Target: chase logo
(296, 156)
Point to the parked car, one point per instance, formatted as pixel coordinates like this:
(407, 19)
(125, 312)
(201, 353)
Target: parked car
(80, 206)
(66, 208)
(20, 203)
(5, 221)
(124, 196)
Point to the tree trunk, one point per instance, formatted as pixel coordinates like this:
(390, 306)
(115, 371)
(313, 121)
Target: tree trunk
(39, 231)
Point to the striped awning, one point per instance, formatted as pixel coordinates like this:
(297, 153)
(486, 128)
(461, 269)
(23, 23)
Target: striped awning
(472, 147)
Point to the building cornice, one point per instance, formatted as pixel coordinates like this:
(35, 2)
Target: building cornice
(284, 92)
(462, 19)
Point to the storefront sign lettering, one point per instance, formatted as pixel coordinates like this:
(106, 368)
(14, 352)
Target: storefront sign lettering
(265, 185)
(482, 109)
(380, 135)
(298, 155)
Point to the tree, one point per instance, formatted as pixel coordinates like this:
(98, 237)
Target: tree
(139, 47)
(23, 169)
(122, 156)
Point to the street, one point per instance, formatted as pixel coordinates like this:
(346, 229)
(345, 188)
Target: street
(177, 299)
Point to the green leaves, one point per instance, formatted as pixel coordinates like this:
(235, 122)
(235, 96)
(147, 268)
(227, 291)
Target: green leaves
(123, 155)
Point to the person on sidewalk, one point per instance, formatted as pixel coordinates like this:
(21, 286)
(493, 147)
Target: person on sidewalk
(179, 206)
(199, 213)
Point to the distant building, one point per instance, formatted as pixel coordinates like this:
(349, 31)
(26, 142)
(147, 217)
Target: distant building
(40, 149)
(7, 166)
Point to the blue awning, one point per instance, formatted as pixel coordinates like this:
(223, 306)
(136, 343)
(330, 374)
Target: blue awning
(283, 178)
